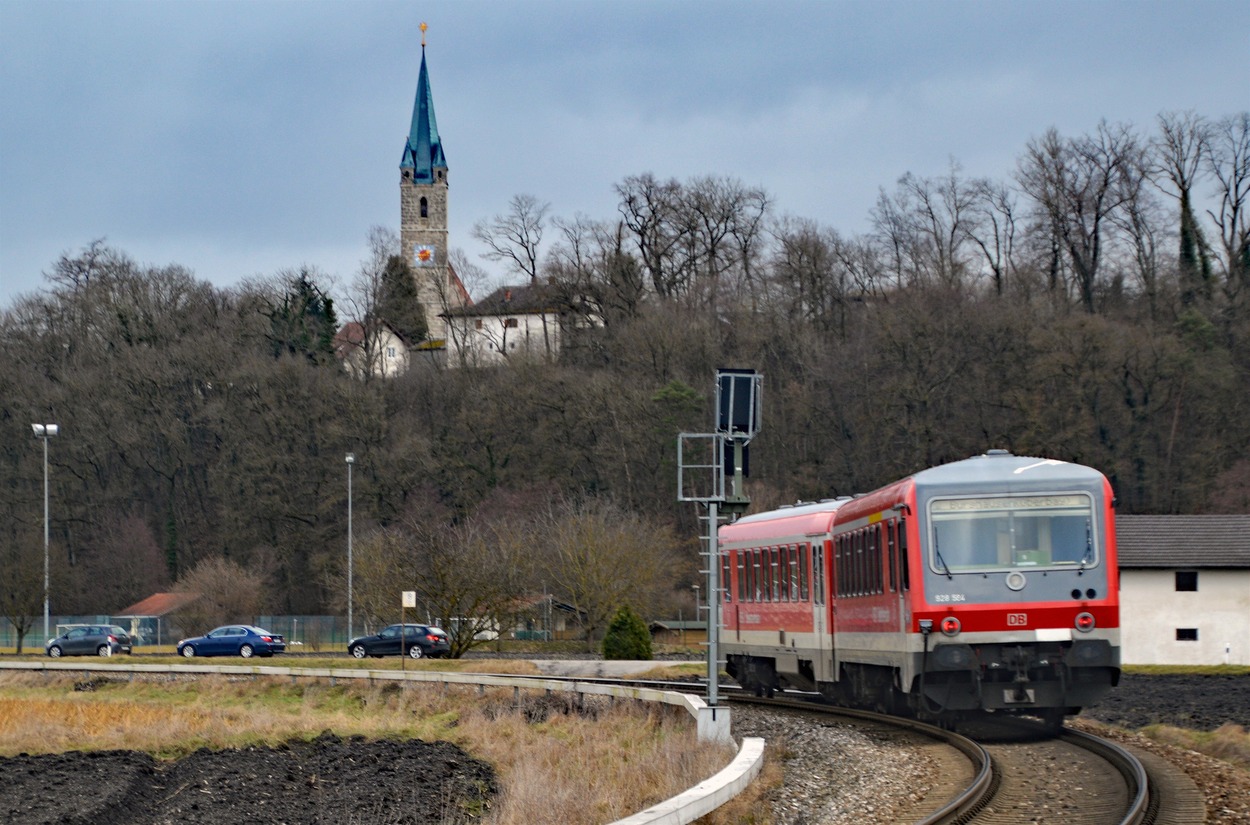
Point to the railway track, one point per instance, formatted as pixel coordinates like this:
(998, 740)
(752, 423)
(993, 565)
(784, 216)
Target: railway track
(1021, 774)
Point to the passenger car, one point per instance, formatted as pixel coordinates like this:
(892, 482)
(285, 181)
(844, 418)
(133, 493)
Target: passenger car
(86, 640)
(417, 640)
(233, 640)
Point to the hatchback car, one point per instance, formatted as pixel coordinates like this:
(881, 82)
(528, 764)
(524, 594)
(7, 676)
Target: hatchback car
(87, 640)
(416, 640)
(233, 640)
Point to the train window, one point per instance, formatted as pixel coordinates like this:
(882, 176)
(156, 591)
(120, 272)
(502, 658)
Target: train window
(804, 559)
(754, 572)
(777, 574)
(748, 595)
(784, 571)
(742, 576)
(781, 558)
(844, 566)
(860, 574)
(794, 573)
(818, 573)
(904, 565)
(1022, 531)
(724, 579)
(890, 527)
(874, 561)
(839, 568)
(852, 565)
(765, 584)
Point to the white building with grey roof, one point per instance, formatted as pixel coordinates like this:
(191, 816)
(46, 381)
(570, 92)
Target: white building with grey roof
(1184, 589)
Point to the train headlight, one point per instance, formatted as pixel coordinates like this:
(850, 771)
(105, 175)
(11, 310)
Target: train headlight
(950, 626)
(1085, 622)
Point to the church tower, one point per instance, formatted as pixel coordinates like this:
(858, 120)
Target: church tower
(423, 208)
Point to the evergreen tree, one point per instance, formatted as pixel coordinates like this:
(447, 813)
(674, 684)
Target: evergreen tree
(303, 322)
(627, 636)
(398, 304)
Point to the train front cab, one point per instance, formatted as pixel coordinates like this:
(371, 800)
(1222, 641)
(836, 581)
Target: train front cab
(1015, 608)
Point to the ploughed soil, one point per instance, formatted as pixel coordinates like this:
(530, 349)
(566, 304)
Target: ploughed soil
(332, 780)
(1202, 702)
(327, 780)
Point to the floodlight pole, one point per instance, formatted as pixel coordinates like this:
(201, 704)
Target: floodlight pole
(351, 459)
(45, 431)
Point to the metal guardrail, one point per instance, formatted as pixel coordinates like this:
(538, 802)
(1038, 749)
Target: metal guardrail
(683, 808)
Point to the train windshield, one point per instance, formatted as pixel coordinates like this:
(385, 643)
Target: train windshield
(1012, 532)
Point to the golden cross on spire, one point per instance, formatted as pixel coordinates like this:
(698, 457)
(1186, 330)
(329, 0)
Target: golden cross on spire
(423, 28)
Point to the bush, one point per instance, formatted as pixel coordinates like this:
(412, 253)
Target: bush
(627, 637)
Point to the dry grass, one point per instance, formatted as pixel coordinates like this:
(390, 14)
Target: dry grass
(558, 760)
(1229, 742)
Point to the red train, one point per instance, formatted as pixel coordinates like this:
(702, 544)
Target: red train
(984, 585)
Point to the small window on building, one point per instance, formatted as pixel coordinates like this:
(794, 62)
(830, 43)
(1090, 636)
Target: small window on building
(390, 352)
(477, 324)
(1186, 581)
(1186, 634)
(511, 323)
(425, 208)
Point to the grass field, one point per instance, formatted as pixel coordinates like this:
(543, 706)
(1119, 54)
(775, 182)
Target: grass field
(556, 762)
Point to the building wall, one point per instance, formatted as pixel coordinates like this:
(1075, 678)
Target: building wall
(488, 339)
(385, 356)
(1151, 611)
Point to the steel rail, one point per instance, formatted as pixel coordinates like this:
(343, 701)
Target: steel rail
(1144, 804)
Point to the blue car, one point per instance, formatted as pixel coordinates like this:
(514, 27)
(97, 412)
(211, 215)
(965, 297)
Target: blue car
(233, 640)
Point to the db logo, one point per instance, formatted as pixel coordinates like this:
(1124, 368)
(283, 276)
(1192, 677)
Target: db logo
(1017, 619)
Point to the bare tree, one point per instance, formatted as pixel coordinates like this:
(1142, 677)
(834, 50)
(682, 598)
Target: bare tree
(596, 279)
(660, 230)
(1075, 184)
(601, 556)
(515, 238)
(1228, 161)
(992, 228)
(21, 588)
(366, 296)
(469, 576)
(1180, 151)
(1140, 221)
(813, 280)
(227, 593)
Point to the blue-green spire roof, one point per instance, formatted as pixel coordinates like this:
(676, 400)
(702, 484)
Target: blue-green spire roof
(423, 152)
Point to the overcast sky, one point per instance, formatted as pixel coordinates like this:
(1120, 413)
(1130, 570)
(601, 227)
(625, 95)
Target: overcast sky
(242, 138)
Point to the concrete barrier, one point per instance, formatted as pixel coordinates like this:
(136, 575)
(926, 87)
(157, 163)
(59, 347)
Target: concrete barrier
(709, 794)
(712, 722)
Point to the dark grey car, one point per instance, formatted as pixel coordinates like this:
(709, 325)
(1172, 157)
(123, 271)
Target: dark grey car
(417, 641)
(90, 640)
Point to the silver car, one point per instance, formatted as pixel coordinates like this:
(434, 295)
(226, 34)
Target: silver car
(89, 640)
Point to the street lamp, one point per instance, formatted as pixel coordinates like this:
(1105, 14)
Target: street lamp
(351, 459)
(45, 431)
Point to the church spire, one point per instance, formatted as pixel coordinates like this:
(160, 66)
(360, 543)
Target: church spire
(423, 151)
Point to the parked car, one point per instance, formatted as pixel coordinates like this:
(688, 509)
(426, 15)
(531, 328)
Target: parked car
(87, 640)
(233, 640)
(416, 640)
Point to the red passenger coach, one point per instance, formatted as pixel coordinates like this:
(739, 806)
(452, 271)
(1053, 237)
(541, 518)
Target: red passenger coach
(984, 585)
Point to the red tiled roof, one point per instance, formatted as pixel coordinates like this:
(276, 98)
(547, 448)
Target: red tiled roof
(158, 604)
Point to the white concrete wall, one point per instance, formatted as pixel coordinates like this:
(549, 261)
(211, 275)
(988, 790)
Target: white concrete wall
(494, 341)
(1151, 610)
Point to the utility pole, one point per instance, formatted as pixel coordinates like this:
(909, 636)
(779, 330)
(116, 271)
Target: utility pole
(714, 477)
